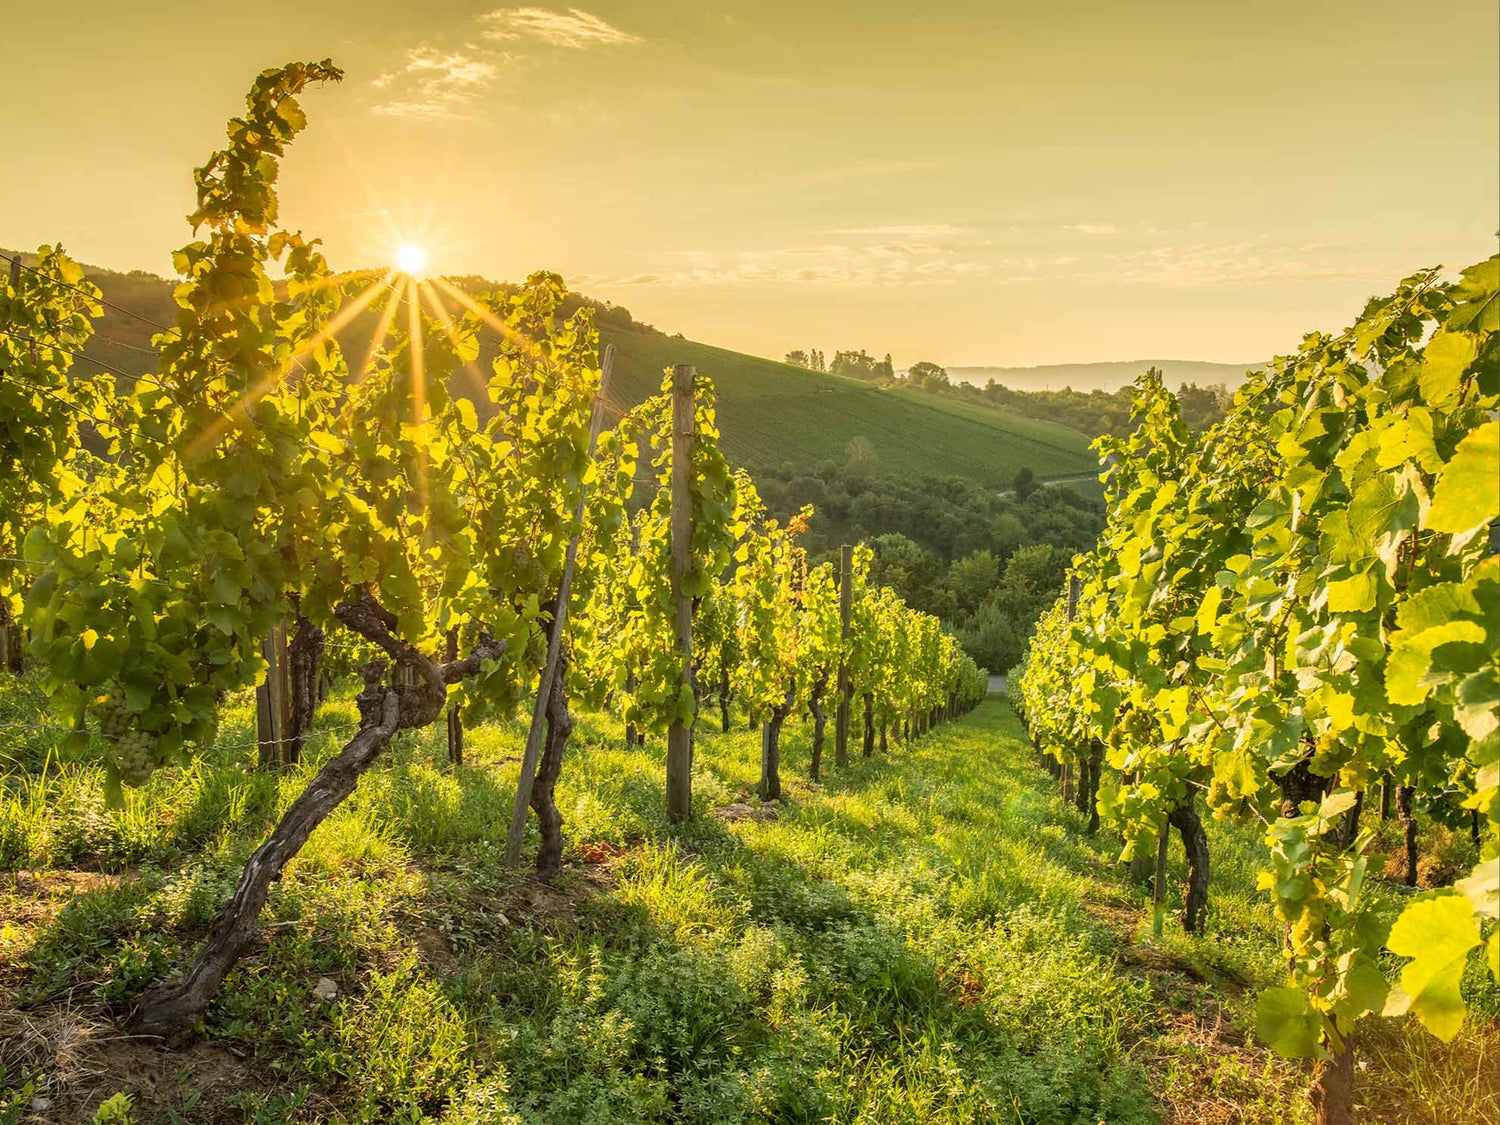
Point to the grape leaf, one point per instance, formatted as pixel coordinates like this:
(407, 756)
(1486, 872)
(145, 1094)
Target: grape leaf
(1468, 492)
(1288, 1023)
(1437, 931)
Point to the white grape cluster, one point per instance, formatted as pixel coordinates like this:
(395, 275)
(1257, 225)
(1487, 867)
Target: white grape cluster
(133, 753)
(109, 709)
(133, 748)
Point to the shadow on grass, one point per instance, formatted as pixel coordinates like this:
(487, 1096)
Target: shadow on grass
(841, 963)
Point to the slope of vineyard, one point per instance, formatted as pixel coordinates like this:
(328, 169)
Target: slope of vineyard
(1292, 618)
(927, 936)
(771, 413)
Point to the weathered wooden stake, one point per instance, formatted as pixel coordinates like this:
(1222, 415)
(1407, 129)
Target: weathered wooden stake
(846, 690)
(529, 756)
(273, 703)
(680, 734)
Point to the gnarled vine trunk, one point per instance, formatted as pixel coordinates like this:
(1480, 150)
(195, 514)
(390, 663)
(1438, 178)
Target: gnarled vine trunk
(11, 641)
(549, 768)
(632, 736)
(1300, 784)
(1081, 790)
(1184, 818)
(414, 700)
(1349, 829)
(770, 751)
(820, 723)
(724, 702)
(882, 737)
(868, 746)
(455, 721)
(1405, 798)
(1332, 1090)
(1096, 768)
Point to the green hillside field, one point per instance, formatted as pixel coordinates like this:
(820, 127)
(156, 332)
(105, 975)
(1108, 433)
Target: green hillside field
(770, 413)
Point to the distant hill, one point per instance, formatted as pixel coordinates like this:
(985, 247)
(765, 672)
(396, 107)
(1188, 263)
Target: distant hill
(1106, 376)
(770, 414)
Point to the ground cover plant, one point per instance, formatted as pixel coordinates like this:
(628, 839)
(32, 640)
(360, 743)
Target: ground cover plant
(929, 935)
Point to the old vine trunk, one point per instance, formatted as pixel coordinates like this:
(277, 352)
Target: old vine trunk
(415, 700)
(543, 790)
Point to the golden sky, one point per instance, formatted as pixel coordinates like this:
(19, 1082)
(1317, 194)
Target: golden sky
(983, 182)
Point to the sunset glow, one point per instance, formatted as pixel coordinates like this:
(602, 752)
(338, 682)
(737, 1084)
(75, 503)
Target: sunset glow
(411, 260)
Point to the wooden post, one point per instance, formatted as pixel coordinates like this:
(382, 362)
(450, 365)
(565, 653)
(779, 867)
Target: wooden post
(846, 610)
(1074, 587)
(533, 749)
(770, 764)
(680, 734)
(1159, 892)
(273, 703)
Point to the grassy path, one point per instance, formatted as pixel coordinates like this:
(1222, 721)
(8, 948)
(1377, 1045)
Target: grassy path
(927, 937)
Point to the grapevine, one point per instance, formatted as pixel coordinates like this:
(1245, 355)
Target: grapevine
(1290, 607)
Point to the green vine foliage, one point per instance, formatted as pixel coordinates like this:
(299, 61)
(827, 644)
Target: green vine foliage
(1283, 611)
(254, 477)
(251, 477)
(47, 313)
(820, 643)
(765, 591)
(624, 634)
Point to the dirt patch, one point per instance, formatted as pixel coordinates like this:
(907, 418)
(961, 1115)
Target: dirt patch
(544, 905)
(77, 1057)
(742, 810)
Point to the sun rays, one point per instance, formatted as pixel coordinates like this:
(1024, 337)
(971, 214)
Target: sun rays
(426, 310)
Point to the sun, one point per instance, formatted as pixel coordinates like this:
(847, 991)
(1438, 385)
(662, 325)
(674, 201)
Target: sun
(411, 260)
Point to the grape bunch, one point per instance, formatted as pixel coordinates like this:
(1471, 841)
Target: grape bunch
(109, 709)
(133, 748)
(133, 754)
(1220, 802)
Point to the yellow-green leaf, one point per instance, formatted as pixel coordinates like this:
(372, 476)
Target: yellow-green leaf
(1468, 493)
(1437, 932)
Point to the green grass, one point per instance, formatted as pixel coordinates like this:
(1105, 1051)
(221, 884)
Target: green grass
(927, 937)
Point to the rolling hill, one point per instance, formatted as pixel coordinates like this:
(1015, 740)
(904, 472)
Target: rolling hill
(1107, 376)
(771, 414)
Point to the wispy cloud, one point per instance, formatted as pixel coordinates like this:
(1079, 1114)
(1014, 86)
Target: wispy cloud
(916, 230)
(1093, 228)
(435, 83)
(1238, 263)
(574, 28)
(888, 264)
(901, 263)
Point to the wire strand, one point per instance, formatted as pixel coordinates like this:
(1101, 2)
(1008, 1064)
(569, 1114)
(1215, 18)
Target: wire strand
(78, 289)
(58, 728)
(76, 409)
